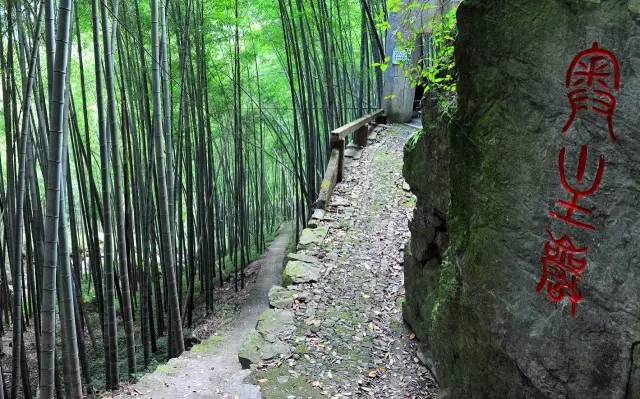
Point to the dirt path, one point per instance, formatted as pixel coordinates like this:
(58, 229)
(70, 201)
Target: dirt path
(350, 339)
(211, 369)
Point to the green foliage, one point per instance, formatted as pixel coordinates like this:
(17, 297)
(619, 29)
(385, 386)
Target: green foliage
(383, 65)
(410, 11)
(201, 105)
(415, 137)
(394, 5)
(436, 71)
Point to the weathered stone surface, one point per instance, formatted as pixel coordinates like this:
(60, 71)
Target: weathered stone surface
(489, 334)
(303, 258)
(339, 201)
(297, 272)
(275, 349)
(250, 350)
(426, 170)
(313, 236)
(633, 390)
(265, 342)
(319, 215)
(281, 298)
(256, 349)
(273, 322)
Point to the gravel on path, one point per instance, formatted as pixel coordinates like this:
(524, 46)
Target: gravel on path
(350, 339)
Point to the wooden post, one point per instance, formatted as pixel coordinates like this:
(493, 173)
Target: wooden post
(340, 146)
(337, 142)
(330, 179)
(361, 136)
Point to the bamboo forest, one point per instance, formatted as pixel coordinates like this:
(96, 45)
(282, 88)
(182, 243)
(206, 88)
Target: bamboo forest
(150, 150)
(245, 199)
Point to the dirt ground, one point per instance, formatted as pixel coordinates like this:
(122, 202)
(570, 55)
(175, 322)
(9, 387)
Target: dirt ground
(211, 368)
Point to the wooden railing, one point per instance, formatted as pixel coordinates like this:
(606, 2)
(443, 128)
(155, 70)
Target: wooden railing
(335, 168)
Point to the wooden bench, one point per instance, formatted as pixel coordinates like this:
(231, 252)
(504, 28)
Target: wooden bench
(335, 168)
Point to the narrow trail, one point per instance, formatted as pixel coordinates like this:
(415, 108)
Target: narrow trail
(348, 337)
(211, 369)
(350, 340)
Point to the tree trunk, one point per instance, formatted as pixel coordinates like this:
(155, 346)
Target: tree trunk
(54, 175)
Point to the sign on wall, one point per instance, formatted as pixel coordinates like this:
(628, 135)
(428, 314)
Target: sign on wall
(400, 56)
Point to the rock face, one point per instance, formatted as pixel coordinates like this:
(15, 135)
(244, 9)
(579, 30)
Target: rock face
(250, 350)
(265, 343)
(297, 272)
(281, 298)
(426, 169)
(303, 258)
(480, 229)
(273, 322)
(312, 236)
(257, 349)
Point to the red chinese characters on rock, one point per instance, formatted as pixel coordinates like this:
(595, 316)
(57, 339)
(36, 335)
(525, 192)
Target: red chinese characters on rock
(562, 267)
(572, 207)
(592, 78)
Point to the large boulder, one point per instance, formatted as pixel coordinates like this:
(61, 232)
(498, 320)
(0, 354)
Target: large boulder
(488, 331)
